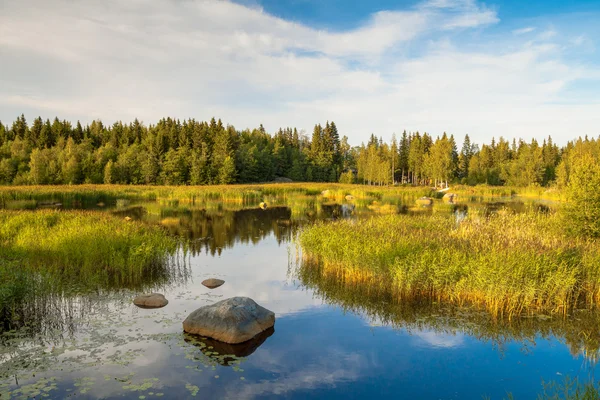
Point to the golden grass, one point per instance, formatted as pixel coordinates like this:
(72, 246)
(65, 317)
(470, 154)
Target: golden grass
(509, 264)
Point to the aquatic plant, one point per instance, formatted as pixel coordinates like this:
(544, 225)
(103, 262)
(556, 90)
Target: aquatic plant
(570, 389)
(509, 264)
(82, 243)
(376, 304)
(60, 252)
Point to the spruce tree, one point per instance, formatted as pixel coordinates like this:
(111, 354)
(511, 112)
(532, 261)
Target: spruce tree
(465, 157)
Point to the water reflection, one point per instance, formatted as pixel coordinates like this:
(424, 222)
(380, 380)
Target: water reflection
(55, 303)
(420, 350)
(228, 354)
(578, 331)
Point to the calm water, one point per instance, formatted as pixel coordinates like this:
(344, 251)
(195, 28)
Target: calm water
(329, 341)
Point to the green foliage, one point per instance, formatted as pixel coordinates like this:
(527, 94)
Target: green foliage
(194, 152)
(347, 177)
(583, 211)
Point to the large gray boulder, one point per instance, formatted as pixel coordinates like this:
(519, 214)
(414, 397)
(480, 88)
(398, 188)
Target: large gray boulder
(152, 300)
(233, 320)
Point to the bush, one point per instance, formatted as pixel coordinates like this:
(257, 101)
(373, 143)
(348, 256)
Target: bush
(583, 210)
(347, 177)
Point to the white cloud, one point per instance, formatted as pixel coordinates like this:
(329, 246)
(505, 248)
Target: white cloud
(440, 340)
(198, 58)
(523, 31)
(547, 35)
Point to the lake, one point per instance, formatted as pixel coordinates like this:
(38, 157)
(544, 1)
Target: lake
(329, 340)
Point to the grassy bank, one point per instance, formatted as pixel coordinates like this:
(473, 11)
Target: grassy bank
(509, 264)
(52, 251)
(488, 191)
(81, 243)
(92, 194)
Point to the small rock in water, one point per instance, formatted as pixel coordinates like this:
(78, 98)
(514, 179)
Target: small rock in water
(213, 283)
(152, 300)
(233, 320)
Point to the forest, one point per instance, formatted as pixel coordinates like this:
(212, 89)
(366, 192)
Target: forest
(191, 152)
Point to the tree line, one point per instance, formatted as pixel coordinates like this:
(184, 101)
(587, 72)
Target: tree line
(174, 152)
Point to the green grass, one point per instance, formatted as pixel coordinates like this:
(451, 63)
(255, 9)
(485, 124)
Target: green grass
(509, 264)
(488, 191)
(249, 195)
(48, 251)
(243, 194)
(81, 243)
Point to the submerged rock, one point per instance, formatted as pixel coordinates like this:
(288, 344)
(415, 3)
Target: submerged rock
(233, 320)
(213, 283)
(152, 300)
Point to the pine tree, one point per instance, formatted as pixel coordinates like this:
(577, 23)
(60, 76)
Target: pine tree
(465, 157)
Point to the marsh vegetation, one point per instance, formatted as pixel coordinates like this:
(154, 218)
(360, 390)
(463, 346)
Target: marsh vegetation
(509, 264)
(72, 259)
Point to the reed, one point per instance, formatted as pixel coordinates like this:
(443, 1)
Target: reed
(83, 245)
(488, 191)
(509, 264)
(242, 194)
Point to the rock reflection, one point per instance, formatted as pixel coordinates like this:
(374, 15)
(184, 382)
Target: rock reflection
(227, 354)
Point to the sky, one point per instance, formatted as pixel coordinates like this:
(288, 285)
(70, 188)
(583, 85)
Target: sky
(488, 69)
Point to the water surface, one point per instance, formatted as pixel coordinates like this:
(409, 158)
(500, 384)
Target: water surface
(329, 340)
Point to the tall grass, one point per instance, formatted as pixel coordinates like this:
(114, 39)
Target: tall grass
(509, 264)
(82, 244)
(376, 304)
(57, 252)
(244, 194)
(487, 191)
(48, 258)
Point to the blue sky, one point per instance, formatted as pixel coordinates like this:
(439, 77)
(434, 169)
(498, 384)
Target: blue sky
(487, 69)
(343, 14)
